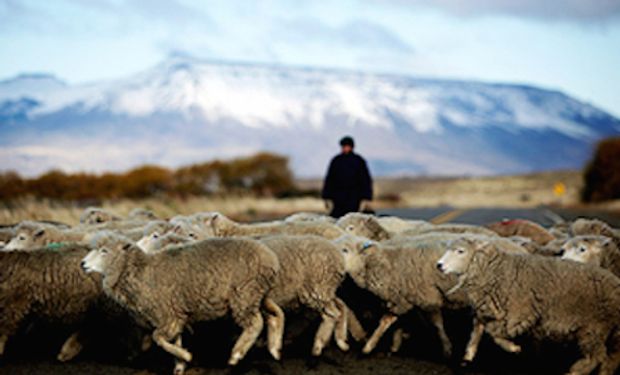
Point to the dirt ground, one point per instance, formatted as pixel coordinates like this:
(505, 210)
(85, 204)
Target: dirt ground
(32, 351)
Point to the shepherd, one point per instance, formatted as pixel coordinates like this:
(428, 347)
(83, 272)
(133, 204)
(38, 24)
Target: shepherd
(348, 184)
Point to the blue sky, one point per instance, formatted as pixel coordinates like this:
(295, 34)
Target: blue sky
(570, 45)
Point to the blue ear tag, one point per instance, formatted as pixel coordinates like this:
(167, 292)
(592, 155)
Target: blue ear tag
(366, 245)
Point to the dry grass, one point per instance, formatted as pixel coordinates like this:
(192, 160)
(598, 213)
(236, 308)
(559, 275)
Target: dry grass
(500, 191)
(504, 191)
(240, 208)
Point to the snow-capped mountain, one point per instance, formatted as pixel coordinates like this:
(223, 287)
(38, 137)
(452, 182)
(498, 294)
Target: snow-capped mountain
(186, 110)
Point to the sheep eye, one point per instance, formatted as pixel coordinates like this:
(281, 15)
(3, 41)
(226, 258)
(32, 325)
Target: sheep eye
(350, 228)
(104, 251)
(192, 235)
(345, 250)
(582, 249)
(155, 236)
(460, 251)
(22, 238)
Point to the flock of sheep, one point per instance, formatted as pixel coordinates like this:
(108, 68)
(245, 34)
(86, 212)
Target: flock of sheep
(515, 277)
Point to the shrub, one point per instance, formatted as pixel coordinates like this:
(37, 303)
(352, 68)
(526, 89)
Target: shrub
(602, 174)
(262, 174)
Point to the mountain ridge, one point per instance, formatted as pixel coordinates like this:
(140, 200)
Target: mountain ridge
(186, 110)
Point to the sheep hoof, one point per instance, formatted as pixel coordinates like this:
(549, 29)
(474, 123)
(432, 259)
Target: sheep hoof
(66, 355)
(367, 349)
(316, 351)
(235, 358)
(343, 345)
(466, 363)
(275, 353)
(186, 356)
(179, 369)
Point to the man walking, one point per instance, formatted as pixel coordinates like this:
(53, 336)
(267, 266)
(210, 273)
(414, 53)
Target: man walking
(348, 181)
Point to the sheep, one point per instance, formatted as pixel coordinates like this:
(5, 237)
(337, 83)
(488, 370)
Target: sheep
(309, 216)
(560, 230)
(200, 281)
(32, 235)
(594, 227)
(364, 225)
(597, 250)
(403, 276)
(397, 225)
(48, 285)
(380, 228)
(548, 298)
(523, 228)
(417, 281)
(527, 243)
(156, 242)
(97, 215)
(311, 270)
(142, 214)
(457, 228)
(220, 226)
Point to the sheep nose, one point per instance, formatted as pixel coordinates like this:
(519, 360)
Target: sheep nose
(561, 253)
(83, 265)
(440, 266)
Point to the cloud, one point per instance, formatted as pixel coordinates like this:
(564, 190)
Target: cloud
(357, 34)
(99, 17)
(588, 11)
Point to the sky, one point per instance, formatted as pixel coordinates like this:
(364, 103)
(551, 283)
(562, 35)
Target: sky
(568, 45)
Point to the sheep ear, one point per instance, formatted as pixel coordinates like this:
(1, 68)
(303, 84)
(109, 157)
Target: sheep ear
(212, 219)
(39, 233)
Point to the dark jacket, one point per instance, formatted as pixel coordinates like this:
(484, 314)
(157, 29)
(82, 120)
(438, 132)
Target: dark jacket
(347, 179)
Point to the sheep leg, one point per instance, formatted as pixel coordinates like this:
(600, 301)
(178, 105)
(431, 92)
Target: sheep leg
(162, 337)
(340, 333)
(474, 341)
(147, 341)
(354, 326)
(179, 365)
(507, 345)
(251, 330)
(71, 348)
(397, 340)
(593, 348)
(3, 340)
(330, 315)
(275, 328)
(385, 323)
(446, 344)
(611, 365)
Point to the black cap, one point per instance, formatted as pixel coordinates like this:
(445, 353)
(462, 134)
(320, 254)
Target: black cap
(347, 141)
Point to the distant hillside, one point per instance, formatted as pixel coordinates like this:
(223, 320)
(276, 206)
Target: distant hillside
(186, 110)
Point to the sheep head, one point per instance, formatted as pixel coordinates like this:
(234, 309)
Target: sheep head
(463, 253)
(107, 247)
(28, 236)
(586, 249)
